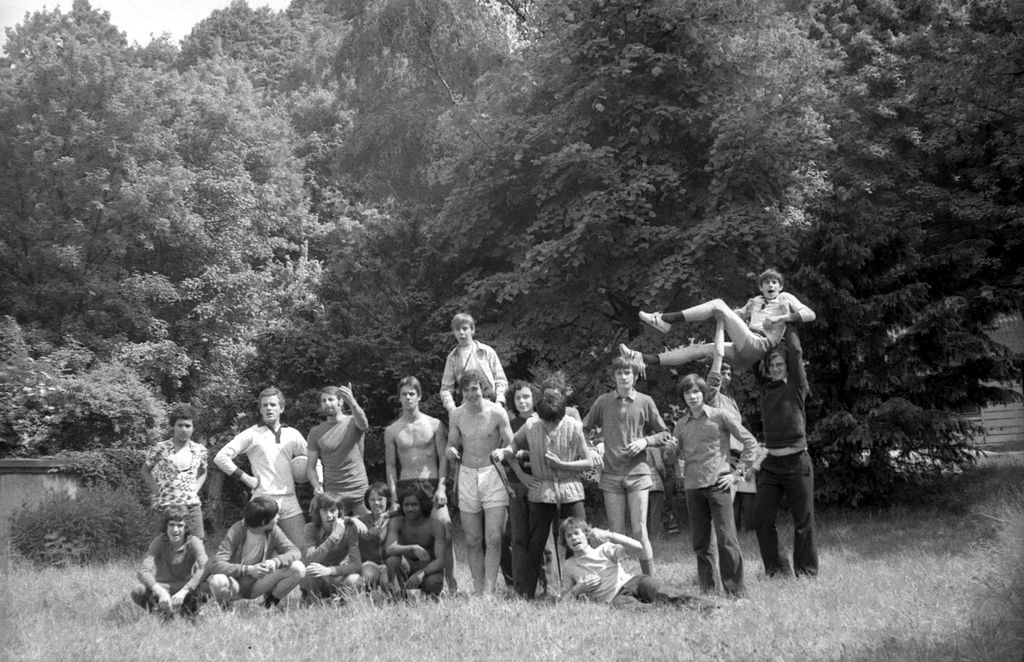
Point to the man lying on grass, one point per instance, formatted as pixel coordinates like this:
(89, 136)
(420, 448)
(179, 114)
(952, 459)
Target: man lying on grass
(596, 574)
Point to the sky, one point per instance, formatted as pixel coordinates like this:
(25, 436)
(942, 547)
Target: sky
(140, 19)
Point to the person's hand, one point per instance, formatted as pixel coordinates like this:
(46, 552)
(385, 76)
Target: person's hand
(163, 598)
(318, 570)
(587, 584)
(498, 455)
(358, 524)
(726, 481)
(250, 481)
(441, 495)
(346, 395)
(415, 580)
(454, 454)
(553, 460)
(530, 481)
(178, 598)
(600, 535)
(337, 530)
(636, 447)
(262, 569)
(420, 553)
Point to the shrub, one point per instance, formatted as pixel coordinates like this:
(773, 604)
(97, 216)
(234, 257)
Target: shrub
(48, 411)
(97, 526)
(111, 468)
(108, 406)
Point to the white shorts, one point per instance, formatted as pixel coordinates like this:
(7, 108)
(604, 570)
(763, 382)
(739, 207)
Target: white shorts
(287, 505)
(480, 489)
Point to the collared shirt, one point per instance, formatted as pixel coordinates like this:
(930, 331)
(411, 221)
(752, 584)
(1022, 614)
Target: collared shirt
(482, 358)
(623, 418)
(704, 445)
(270, 457)
(757, 309)
(175, 486)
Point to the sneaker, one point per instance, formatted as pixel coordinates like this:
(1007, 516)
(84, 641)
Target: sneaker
(654, 319)
(634, 356)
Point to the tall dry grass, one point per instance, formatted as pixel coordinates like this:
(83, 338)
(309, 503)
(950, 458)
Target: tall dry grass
(940, 578)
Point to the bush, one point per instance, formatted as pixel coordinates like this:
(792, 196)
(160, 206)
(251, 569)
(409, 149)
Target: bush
(48, 411)
(110, 468)
(97, 526)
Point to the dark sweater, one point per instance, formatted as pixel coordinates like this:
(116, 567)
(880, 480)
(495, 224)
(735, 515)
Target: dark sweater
(782, 403)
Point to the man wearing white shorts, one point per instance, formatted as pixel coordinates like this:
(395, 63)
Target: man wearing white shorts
(477, 427)
(271, 447)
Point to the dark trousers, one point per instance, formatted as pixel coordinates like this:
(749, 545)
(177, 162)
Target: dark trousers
(793, 476)
(712, 506)
(643, 591)
(517, 530)
(743, 510)
(541, 517)
(400, 569)
(655, 513)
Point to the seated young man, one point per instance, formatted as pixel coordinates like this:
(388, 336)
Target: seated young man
(255, 558)
(596, 573)
(331, 550)
(416, 546)
(172, 568)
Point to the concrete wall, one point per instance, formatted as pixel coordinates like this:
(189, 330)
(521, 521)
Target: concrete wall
(28, 482)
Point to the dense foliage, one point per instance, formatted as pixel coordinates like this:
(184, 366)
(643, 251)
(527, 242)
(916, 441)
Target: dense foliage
(306, 197)
(97, 525)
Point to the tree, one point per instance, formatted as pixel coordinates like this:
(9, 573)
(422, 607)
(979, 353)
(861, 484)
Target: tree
(910, 258)
(405, 64)
(633, 155)
(147, 214)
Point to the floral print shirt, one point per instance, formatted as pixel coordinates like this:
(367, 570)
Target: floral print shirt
(176, 486)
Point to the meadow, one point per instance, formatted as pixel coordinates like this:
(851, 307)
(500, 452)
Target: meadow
(939, 577)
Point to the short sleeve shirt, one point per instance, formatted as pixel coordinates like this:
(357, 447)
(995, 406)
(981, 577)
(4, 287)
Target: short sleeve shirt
(602, 561)
(176, 486)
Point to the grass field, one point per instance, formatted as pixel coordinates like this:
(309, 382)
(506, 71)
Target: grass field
(942, 579)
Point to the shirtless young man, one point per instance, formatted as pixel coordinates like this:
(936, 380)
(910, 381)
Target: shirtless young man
(479, 426)
(338, 444)
(416, 545)
(416, 444)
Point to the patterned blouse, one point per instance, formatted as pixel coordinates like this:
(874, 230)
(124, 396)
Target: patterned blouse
(175, 486)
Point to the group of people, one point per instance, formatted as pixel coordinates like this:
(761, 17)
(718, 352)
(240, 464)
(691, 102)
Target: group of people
(515, 477)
